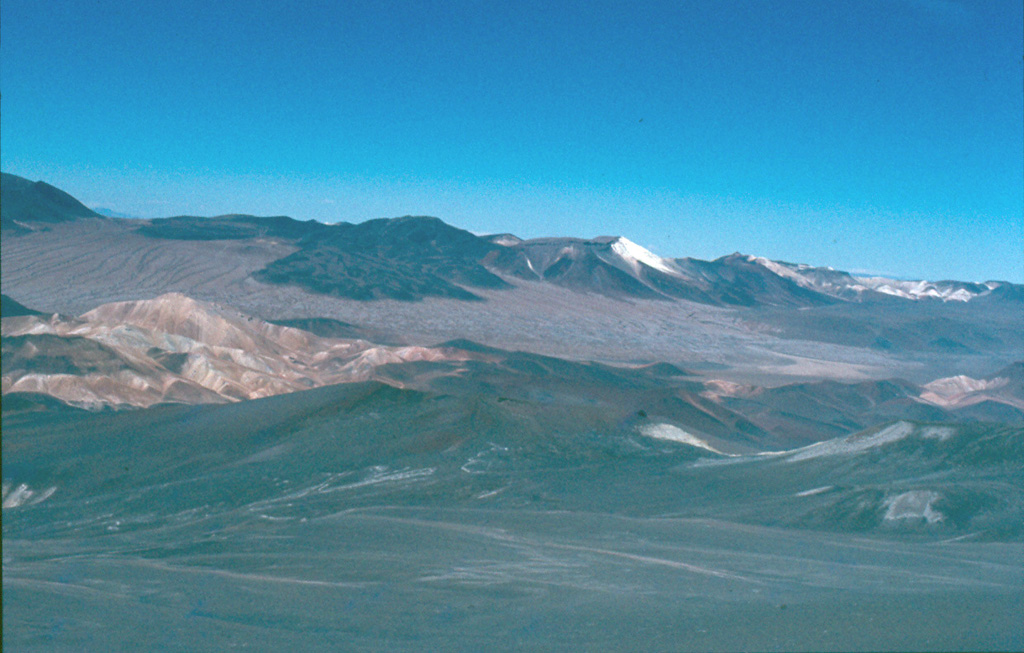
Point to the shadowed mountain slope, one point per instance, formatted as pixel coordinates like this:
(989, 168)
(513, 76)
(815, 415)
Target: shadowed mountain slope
(572, 457)
(326, 327)
(310, 517)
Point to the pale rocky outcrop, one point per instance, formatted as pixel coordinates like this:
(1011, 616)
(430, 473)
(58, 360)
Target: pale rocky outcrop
(177, 349)
(959, 391)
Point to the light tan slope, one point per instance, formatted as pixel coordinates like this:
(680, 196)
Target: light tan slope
(176, 349)
(211, 324)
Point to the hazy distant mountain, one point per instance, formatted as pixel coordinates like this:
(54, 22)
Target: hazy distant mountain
(737, 279)
(111, 213)
(230, 227)
(415, 257)
(617, 267)
(24, 203)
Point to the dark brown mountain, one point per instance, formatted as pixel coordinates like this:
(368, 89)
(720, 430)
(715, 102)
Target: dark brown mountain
(25, 205)
(403, 258)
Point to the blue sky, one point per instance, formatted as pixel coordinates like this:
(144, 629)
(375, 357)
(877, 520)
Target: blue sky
(883, 135)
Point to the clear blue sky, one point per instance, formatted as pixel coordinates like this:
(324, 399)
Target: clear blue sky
(881, 135)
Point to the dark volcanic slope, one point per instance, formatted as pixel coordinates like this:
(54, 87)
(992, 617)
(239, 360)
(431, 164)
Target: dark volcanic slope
(326, 327)
(11, 308)
(580, 457)
(404, 258)
(24, 201)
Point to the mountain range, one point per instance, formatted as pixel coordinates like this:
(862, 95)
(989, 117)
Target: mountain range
(412, 258)
(401, 435)
(175, 348)
(758, 318)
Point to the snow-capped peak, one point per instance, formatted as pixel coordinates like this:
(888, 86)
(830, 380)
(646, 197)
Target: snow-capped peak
(834, 282)
(635, 255)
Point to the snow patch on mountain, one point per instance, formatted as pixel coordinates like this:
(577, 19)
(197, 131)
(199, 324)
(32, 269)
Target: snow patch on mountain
(635, 256)
(505, 240)
(940, 433)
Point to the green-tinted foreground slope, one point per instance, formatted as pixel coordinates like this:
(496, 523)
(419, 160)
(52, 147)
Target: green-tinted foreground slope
(366, 517)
